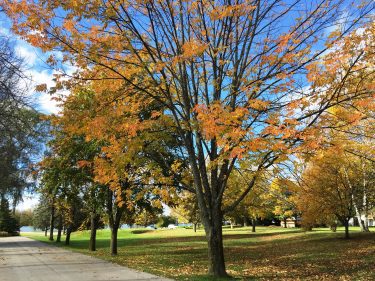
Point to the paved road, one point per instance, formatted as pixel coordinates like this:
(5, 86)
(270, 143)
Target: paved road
(23, 259)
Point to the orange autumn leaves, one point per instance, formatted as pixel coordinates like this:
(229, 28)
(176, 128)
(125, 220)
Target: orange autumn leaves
(233, 134)
(124, 125)
(218, 76)
(219, 122)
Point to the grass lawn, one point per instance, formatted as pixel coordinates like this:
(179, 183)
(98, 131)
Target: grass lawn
(269, 254)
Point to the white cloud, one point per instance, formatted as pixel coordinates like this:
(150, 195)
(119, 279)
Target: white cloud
(340, 23)
(45, 101)
(38, 71)
(4, 31)
(29, 202)
(29, 54)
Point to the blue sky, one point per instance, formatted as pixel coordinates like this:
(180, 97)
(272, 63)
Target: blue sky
(35, 68)
(39, 73)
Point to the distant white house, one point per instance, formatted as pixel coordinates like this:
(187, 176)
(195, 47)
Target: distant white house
(291, 222)
(371, 220)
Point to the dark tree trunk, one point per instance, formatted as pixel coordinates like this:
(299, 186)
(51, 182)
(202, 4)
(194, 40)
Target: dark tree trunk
(92, 243)
(253, 224)
(45, 231)
(308, 228)
(114, 232)
(333, 228)
(209, 191)
(285, 225)
(195, 227)
(59, 229)
(214, 235)
(67, 238)
(346, 225)
(52, 222)
(114, 217)
(245, 221)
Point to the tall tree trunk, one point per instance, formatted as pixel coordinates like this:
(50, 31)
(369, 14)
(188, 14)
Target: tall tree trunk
(359, 216)
(195, 227)
(209, 198)
(52, 221)
(253, 224)
(92, 243)
(67, 237)
(366, 226)
(333, 227)
(45, 231)
(114, 232)
(365, 203)
(245, 221)
(114, 218)
(284, 220)
(59, 229)
(346, 225)
(214, 235)
(361, 223)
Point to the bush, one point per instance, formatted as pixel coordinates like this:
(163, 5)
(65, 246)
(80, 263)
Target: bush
(164, 221)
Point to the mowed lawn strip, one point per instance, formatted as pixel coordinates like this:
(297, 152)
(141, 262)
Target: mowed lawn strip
(271, 253)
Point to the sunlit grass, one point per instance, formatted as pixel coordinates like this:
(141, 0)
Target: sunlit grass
(271, 253)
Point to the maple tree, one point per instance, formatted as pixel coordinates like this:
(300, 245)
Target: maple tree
(258, 204)
(186, 209)
(284, 191)
(328, 190)
(148, 216)
(349, 128)
(130, 166)
(64, 182)
(229, 75)
(352, 151)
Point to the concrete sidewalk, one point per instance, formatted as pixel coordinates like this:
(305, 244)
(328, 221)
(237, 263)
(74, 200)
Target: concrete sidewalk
(23, 259)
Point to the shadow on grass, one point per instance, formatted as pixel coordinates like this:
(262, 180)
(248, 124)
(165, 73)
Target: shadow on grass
(104, 242)
(249, 256)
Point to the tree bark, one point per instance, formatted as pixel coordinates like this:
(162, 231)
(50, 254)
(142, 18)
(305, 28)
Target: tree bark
(359, 217)
(366, 226)
(114, 217)
(245, 222)
(45, 231)
(52, 221)
(365, 203)
(216, 253)
(333, 227)
(253, 224)
(360, 222)
(365, 207)
(114, 232)
(67, 237)
(285, 226)
(92, 243)
(214, 235)
(59, 229)
(346, 225)
(195, 227)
